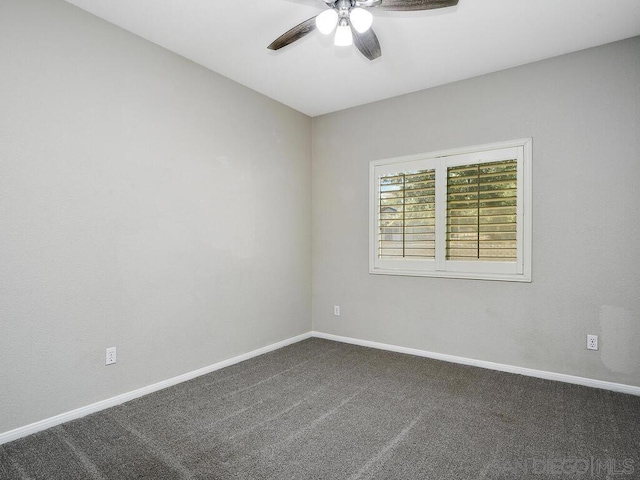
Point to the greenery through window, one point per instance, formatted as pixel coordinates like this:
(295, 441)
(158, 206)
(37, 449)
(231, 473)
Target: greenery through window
(482, 212)
(407, 215)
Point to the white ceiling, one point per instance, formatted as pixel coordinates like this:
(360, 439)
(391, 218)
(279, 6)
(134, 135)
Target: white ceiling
(419, 49)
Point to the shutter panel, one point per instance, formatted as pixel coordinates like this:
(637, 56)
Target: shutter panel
(482, 212)
(406, 215)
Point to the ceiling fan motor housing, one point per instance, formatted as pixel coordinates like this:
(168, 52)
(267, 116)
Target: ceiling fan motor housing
(353, 3)
(343, 6)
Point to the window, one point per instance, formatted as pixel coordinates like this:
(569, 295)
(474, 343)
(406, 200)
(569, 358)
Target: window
(464, 213)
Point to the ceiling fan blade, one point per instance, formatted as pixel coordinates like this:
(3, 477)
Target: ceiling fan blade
(367, 43)
(411, 5)
(296, 33)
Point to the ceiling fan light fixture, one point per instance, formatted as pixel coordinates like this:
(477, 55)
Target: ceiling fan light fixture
(353, 19)
(361, 19)
(327, 21)
(344, 37)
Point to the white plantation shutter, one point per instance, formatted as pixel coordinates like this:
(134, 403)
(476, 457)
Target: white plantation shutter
(453, 214)
(482, 212)
(406, 213)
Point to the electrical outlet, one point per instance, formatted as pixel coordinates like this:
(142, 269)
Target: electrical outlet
(336, 310)
(592, 342)
(111, 356)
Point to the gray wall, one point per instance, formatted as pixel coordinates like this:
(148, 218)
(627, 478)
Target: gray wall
(583, 112)
(150, 204)
(145, 203)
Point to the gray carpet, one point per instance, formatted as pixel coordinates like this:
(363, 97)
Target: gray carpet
(325, 410)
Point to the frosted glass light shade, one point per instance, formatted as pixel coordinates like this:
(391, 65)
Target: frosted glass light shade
(327, 21)
(361, 19)
(344, 37)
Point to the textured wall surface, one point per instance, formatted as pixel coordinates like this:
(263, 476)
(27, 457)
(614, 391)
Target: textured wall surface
(583, 112)
(145, 203)
(150, 204)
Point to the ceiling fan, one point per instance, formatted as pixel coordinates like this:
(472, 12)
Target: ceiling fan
(352, 21)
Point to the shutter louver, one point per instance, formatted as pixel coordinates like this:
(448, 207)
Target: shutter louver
(482, 212)
(407, 215)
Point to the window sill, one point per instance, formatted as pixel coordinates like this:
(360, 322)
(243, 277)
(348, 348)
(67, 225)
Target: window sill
(526, 278)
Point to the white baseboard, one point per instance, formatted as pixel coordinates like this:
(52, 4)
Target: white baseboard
(125, 397)
(529, 372)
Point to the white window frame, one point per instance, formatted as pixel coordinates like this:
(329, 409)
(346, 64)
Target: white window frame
(519, 271)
